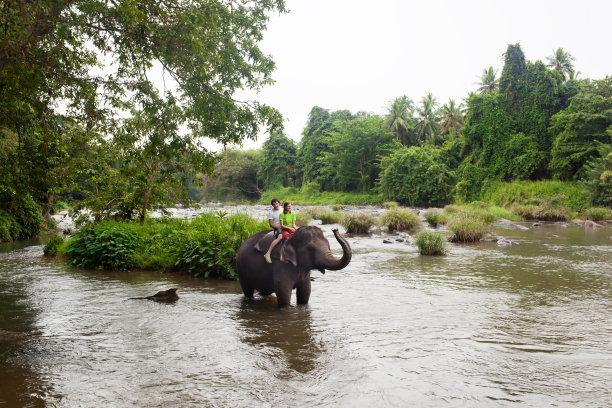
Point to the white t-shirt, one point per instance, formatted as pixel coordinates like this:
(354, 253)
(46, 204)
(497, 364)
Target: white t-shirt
(274, 216)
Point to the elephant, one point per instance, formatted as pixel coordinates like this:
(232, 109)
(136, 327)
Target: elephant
(307, 249)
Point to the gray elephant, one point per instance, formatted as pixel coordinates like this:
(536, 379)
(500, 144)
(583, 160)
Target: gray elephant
(307, 249)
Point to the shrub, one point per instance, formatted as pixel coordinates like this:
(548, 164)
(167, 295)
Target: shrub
(466, 228)
(339, 207)
(541, 212)
(417, 176)
(53, 245)
(435, 217)
(330, 217)
(51, 224)
(109, 245)
(400, 220)
(358, 223)
(431, 243)
(598, 213)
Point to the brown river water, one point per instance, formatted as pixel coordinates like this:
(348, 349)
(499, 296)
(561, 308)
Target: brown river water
(527, 325)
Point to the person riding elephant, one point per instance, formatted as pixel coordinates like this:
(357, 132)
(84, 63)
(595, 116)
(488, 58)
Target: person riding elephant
(306, 250)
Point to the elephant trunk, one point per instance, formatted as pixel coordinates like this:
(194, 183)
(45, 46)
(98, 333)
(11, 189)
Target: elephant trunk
(333, 264)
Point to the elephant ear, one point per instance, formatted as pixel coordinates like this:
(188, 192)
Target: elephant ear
(288, 253)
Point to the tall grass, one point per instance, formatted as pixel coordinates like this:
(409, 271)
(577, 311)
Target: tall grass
(598, 213)
(467, 228)
(435, 217)
(358, 223)
(205, 246)
(431, 243)
(399, 219)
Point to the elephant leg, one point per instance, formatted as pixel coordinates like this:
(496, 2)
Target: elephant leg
(283, 293)
(303, 292)
(248, 291)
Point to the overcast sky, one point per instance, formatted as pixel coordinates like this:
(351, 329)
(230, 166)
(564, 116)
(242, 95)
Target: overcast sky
(359, 55)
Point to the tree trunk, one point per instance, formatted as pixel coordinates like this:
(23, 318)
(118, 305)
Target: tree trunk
(145, 202)
(48, 206)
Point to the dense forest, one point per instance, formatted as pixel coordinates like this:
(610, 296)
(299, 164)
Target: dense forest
(535, 121)
(85, 120)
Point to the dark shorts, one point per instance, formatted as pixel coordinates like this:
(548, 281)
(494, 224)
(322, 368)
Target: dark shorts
(276, 233)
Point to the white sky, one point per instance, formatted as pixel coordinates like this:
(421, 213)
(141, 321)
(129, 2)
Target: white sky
(359, 55)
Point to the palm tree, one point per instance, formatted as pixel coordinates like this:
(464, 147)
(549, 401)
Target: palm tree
(488, 81)
(428, 126)
(561, 61)
(399, 120)
(451, 116)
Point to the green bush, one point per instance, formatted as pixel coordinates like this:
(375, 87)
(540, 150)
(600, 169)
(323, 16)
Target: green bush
(598, 213)
(300, 197)
(431, 243)
(205, 246)
(51, 224)
(400, 220)
(108, 245)
(21, 218)
(52, 247)
(417, 176)
(358, 223)
(466, 228)
(435, 217)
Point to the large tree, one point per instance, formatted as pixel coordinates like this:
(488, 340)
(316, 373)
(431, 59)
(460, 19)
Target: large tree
(91, 63)
(428, 123)
(451, 116)
(277, 162)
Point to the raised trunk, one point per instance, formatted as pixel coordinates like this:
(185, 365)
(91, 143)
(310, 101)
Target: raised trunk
(334, 264)
(143, 211)
(48, 207)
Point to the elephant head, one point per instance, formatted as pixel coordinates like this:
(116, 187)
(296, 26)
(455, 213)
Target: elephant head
(309, 249)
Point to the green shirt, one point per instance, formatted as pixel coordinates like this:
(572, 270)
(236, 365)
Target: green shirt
(288, 219)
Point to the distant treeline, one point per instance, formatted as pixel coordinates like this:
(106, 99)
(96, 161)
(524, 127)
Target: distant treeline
(535, 122)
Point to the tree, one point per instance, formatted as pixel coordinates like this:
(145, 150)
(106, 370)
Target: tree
(277, 163)
(580, 128)
(451, 116)
(399, 120)
(488, 81)
(356, 147)
(562, 62)
(511, 81)
(428, 127)
(206, 51)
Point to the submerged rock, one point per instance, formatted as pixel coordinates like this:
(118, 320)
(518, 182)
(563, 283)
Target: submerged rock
(503, 242)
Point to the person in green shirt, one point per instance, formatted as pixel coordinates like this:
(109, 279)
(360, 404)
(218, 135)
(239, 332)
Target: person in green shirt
(288, 228)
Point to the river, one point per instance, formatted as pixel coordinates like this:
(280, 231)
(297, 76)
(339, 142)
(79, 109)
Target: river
(527, 325)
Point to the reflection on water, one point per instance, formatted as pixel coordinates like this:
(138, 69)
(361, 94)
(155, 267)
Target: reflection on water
(526, 325)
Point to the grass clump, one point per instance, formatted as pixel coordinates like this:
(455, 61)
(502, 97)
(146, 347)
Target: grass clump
(435, 217)
(303, 218)
(206, 245)
(52, 247)
(330, 217)
(431, 243)
(400, 220)
(358, 223)
(390, 204)
(467, 228)
(598, 213)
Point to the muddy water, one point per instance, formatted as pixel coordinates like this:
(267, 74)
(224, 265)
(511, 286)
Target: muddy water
(525, 325)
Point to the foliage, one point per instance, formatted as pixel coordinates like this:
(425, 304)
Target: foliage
(488, 81)
(390, 204)
(580, 128)
(400, 219)
(451, 116)
(427, 126)
(417, 176)
(358, 223)
(543, 211)
(467, 228)
(330, 217)
(234, 179)
(53, 245)
(598, 213)
(303, 218)
(562, 62)
(277, 163)
(20, 219)
(76, 75)
(572, 196)
(599, 176)
(205, 246)
(431, 243)
(355, 147)
(321, 198)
